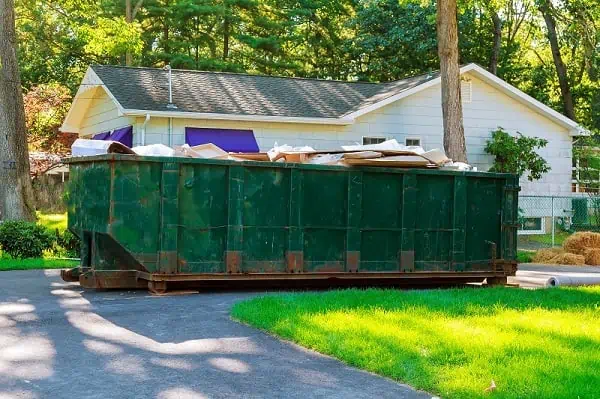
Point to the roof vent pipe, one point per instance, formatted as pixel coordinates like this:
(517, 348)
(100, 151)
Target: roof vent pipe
(170, 104)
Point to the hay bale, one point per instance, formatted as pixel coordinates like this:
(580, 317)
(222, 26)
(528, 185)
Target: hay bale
(592, 256)
(568, 259)
(546, 254)
(579, 242)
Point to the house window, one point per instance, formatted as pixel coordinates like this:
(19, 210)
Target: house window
(466, 91)
(413, 142)
(532, 226)
(372, 140)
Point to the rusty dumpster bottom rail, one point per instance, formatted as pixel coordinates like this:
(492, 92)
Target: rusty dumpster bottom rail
(160, 283)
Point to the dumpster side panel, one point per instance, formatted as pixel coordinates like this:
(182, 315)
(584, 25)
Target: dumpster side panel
(88, 196)
(324, 218)
(433, 230)
(381, 221)
(135, 210)
(266, 217)
(483, 221)
(203, 211)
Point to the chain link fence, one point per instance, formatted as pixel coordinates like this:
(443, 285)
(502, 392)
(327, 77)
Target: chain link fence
(546, 221)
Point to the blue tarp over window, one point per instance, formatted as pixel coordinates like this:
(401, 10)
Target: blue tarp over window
(231, 140)
(123, 135)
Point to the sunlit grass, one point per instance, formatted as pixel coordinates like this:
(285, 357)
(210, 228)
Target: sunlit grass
(537, 344)
(35, 263)
(53, 221)
(525, 256)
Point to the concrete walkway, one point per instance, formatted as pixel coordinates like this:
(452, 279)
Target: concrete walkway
(532, 275)
(58, 341)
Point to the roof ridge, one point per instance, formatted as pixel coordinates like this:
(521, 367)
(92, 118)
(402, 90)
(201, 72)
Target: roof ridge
(247, 74)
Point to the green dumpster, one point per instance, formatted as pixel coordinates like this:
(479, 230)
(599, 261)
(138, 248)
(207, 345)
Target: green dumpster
(155, 221)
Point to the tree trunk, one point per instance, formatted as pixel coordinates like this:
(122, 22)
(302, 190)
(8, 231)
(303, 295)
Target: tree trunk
(16, 195)
(447, 33)
(561, 69)
(128, 58)
(226, 35)
(493, 67)
(129, 17)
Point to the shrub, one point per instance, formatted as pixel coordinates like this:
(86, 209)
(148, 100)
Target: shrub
(517, 154)
(24, 239)
(69, 242)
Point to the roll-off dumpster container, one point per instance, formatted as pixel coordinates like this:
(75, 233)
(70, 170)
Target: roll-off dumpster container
(150, 221)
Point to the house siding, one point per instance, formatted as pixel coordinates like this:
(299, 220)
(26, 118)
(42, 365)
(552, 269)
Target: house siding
(102, 115)
(416, 116)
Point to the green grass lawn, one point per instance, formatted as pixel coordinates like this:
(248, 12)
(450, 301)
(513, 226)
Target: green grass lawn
(35, 263)
(546, 239)
(453, 343)
(525, 256)
(53, 221)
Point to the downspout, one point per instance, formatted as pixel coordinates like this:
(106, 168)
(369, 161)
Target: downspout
(144, 129)
(170, 104)
(170, 132)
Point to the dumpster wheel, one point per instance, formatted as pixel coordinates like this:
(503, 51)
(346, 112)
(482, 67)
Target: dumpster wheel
(157, 287)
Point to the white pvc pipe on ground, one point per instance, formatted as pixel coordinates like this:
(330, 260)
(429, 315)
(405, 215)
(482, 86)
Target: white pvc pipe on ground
(558, 281)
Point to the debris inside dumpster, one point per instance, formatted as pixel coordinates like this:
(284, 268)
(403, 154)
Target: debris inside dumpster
(86, 148)
(389, 153)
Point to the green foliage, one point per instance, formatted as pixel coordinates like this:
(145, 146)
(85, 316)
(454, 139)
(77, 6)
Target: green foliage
(517, 154)
(524, 256)
(46, 107)
(69, 243)
(372, 40)
(111, 37)
(24, 239)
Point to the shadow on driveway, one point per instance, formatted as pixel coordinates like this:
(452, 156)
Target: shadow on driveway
(58, 341)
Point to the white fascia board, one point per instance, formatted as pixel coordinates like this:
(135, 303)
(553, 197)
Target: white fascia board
(236, 117)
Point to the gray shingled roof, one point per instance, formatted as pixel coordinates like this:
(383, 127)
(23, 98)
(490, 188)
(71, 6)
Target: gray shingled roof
(240, 94)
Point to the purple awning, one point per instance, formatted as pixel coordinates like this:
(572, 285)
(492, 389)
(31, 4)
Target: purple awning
(101, 136)
(123, 135)
(231, 140)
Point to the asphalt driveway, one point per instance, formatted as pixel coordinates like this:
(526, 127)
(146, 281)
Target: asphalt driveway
(59, 341)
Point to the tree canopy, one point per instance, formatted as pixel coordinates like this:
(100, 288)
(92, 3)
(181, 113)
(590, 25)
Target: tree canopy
(550, 50)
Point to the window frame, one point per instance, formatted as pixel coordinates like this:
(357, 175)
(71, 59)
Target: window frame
(413, 138)
(541, 230)
(382, 138)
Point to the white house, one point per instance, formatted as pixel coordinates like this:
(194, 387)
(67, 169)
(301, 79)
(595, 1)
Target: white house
(250, 113)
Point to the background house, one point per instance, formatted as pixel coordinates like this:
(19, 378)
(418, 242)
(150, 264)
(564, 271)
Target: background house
(250, 113)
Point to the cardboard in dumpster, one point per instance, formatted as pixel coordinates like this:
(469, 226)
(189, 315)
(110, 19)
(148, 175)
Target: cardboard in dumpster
(403, 161)
(325, 159)
(205, 151)
(86, 148)
(362, 155)
(251, 156)
(289, 153)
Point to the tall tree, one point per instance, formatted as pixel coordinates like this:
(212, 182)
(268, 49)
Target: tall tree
(495, 55)
(561, 70)
(129, 18)
(447, 33)
(16, 196)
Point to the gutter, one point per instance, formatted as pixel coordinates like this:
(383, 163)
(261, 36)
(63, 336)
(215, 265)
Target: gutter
(237, 118)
